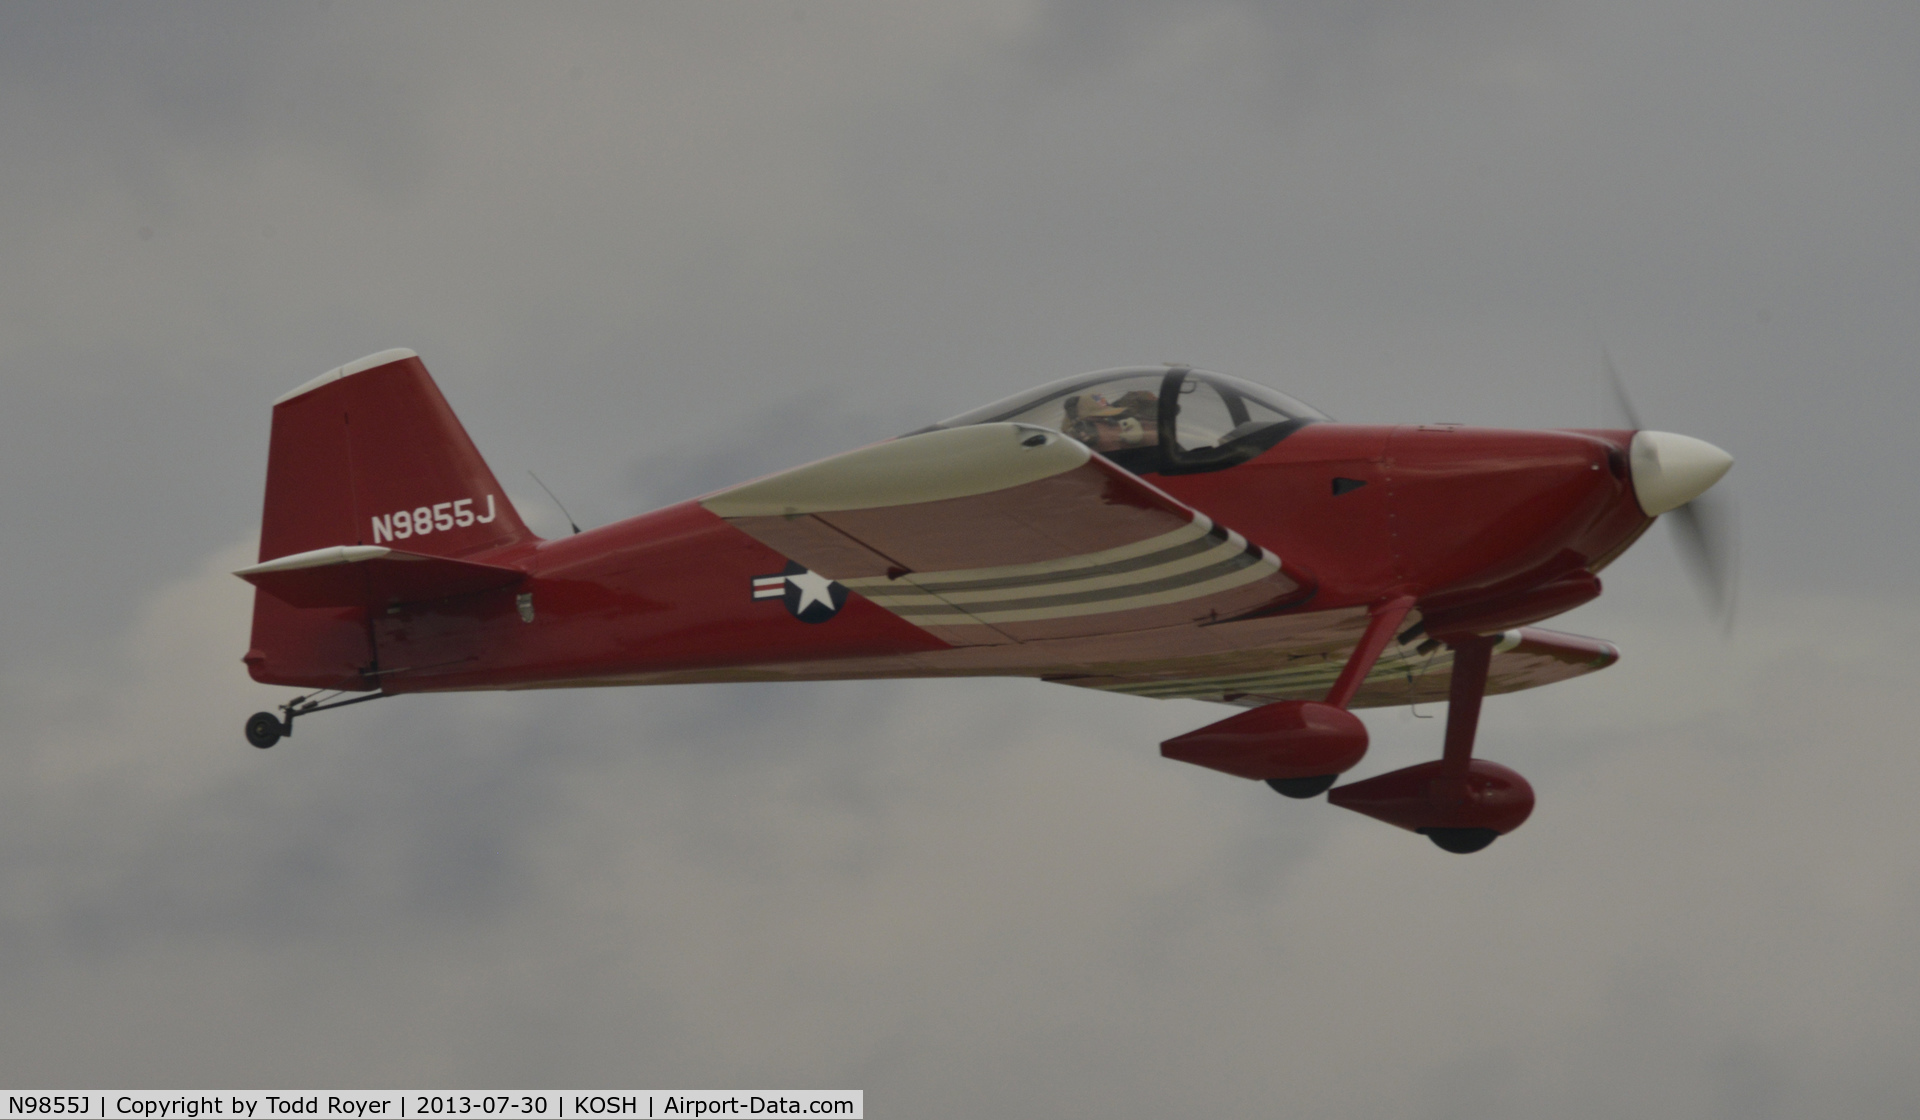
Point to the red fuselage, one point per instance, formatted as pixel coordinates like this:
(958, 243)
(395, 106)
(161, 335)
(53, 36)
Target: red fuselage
(1483, 528)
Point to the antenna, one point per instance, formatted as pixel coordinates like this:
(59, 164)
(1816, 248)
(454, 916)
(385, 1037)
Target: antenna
(556, 501)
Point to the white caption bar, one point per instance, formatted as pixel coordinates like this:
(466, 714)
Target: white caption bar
(428, 1104)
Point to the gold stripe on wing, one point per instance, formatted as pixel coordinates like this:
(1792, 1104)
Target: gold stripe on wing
(1067, 567)
(1236, 572)
(1194, 556)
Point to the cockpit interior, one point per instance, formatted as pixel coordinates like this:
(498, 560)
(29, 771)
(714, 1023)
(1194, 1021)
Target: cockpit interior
(1156, 419)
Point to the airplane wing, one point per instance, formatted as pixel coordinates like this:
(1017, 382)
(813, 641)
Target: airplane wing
(999, 533)
(1524, 658)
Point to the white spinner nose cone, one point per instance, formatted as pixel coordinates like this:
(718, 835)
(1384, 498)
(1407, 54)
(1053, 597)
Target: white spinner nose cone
(1671, 470)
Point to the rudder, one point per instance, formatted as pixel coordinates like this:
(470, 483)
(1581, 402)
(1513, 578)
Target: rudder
(366, 454)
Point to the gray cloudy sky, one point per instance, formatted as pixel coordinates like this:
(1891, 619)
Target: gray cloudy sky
(650, 250)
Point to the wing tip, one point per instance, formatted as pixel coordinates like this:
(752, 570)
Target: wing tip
(1573, 649)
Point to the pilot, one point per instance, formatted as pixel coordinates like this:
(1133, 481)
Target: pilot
(1131, 421)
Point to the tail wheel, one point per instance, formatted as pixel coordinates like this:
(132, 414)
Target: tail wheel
(264, 729)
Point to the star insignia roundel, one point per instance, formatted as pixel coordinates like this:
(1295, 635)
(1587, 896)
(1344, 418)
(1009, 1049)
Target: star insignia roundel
(809, 596)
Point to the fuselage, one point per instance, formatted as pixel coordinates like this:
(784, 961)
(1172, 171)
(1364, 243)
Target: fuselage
(1485, 529)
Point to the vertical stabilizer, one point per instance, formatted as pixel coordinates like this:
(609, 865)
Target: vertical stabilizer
(370, 454)
(366, 454)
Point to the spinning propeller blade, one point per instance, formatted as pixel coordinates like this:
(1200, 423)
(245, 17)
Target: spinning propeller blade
(1623, 406)
(1703, 531)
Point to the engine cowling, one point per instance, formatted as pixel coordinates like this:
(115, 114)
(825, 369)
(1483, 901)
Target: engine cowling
(1290, 739)
(1461, 807)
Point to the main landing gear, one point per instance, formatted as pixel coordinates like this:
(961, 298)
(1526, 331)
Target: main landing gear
(264, 729)
(1303, 788)
(1460, 802)
(1301, 747)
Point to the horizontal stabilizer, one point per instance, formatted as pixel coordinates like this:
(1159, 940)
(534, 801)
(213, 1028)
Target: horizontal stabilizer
(372, 576)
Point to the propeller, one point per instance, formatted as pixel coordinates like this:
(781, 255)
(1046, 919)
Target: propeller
(1671, 474)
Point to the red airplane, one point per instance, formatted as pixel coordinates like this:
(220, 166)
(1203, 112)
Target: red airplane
(1160, 531)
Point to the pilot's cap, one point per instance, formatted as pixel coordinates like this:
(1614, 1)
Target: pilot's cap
(1086, 406)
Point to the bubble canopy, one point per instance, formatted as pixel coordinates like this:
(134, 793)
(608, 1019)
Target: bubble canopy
(1156, 419)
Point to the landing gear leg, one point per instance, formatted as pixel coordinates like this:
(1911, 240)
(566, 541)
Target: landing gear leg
(1300, 747)
(1468, 686)
(264, 729)
(1459, 802)
(1386, 618)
